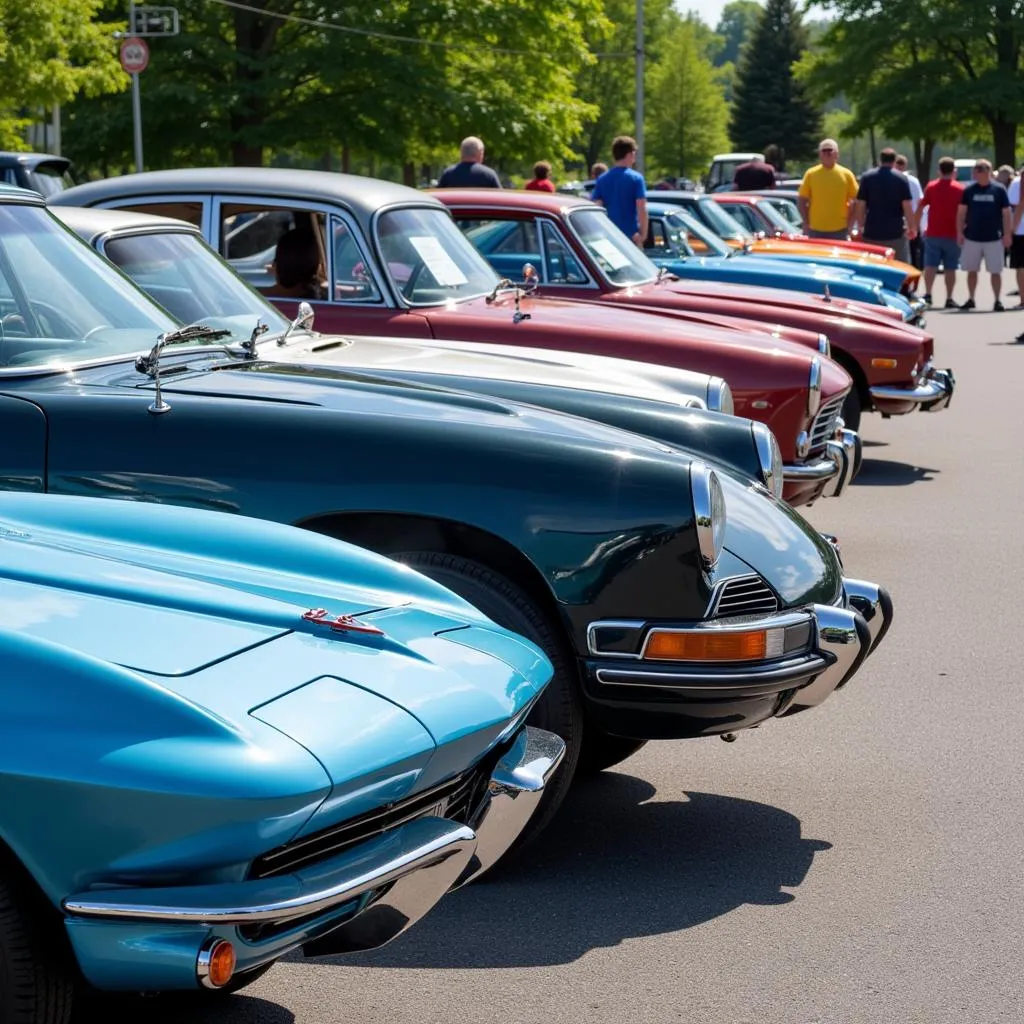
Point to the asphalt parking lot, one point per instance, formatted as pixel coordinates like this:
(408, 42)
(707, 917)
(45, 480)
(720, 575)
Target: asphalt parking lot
(855, 865)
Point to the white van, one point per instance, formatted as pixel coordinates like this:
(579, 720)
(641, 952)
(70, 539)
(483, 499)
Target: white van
(723, 167)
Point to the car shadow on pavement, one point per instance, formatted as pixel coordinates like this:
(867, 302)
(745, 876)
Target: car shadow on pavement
(180, 1009)
(612, 866)
(887, 473)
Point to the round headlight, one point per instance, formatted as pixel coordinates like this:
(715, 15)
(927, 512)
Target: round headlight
(769, 455)
(708, 511)
(824, 345)
(814, 388)
(720, 396)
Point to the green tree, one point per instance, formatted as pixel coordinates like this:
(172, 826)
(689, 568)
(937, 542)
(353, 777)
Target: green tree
(395, 83)
(770, 105)
(735, 26)
(688, 111)
(50, 52)
(927, 68)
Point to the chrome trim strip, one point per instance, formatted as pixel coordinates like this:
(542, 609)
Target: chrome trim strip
(203, 961)
(722, 585)
(745, 624)
(874, 605)
(513, 795)
(814, 388)
(701, 684)
(933, 386)
(592, 629)
(434, 853)
(820, 469)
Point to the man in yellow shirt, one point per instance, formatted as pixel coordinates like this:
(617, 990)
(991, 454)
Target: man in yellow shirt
(826, 195)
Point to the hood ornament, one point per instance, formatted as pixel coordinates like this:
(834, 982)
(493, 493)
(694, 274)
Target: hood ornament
(249, 347)
(150, 364)
(340, 623)
(303, 321)
(828, 294)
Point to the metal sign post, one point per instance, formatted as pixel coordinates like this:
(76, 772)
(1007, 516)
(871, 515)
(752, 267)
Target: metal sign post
(143, 21)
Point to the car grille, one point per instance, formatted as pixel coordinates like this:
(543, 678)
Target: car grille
(825, 423)
(745, 595)
(455, 800)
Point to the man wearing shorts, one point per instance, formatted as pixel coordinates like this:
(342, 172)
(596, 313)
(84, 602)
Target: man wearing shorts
(940, 203)
(1017, 244)
(983, 230)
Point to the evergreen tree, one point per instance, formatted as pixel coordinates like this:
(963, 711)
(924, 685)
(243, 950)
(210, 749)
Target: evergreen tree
(769, 104)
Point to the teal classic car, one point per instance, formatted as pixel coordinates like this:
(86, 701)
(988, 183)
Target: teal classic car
(222, 740)
(584, 537)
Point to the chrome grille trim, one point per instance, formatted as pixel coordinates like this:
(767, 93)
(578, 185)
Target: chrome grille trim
(742, 595)
(825, 423)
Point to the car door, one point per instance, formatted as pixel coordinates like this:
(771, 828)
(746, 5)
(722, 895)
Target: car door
(22, 446)
(350, 295)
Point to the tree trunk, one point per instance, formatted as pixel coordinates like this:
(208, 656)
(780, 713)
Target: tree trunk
(924, 150)
(346, 159)
(409, 174)
(1004, 140)
(874, 148)
(244, 155)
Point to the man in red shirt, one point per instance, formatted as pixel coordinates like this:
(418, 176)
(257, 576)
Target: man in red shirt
(941, 200)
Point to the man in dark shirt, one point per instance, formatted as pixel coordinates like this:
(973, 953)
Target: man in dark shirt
(471, 171)
(883, 204)
(983, 229)
(753, 176)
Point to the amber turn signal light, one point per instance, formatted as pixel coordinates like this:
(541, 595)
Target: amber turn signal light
(884, 364)
(217, 963)
(712, 645)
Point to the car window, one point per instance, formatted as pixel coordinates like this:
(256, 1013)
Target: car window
(191, 211)
(187, 278)
(619, 259)
(59, 302)
(788, 210)
(50, 179)
(745, 215)
(711, 213)
(428, 259)
(776, 220)
(250, 234)
(506, 243)
(560, 263)
(687, 234)
(353, 272)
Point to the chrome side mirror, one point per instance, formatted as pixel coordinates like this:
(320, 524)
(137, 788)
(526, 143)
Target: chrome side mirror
(304, 321)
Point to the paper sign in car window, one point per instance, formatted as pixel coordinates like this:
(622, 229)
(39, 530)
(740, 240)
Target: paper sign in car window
(608, 251)
(445, 270)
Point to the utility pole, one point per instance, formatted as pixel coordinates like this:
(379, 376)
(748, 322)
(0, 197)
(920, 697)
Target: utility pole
(136, 98)
(640, 84)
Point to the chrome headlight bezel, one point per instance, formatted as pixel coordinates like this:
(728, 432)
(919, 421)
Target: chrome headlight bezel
(814, 388)
(769, 455)
(709, 514)
(720, 397)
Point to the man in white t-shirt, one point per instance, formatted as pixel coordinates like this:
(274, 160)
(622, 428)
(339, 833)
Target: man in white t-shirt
(1017, 244)
(916, 193)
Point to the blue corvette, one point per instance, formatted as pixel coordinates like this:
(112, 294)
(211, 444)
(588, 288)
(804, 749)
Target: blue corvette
(222, 740)
(670, 244)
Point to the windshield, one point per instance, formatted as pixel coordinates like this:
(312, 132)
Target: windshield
(711, 213)
(192, 283)
(787, 210)
(429, 260)
(618, 258)
(50, 179)
(693, 235)
(774, 217)
(60, 303)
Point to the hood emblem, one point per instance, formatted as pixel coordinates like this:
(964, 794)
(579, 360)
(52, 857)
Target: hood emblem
(340, 623)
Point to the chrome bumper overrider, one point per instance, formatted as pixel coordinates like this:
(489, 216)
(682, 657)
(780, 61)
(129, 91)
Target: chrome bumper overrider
(933, 391)
(839, 465)
(398, 876)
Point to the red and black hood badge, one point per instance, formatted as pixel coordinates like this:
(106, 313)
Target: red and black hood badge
(340, 623)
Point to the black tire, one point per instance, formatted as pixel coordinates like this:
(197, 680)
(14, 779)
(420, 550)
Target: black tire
(559, 709)
(852, 408)
(601, 751)
(36, 982)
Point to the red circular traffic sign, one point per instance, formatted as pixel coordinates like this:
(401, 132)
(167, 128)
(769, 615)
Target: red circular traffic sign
(134, 55)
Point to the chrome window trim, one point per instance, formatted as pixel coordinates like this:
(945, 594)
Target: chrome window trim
(551, 224)
(205, 200)
(615, 286)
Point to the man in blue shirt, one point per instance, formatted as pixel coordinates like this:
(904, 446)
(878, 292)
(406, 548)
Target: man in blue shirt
(623, 193)
(983, 229)
(884, 204)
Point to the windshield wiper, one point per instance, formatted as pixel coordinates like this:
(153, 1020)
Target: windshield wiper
(150, 364)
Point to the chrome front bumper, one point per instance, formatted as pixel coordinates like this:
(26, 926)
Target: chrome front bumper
(388, 883)
(836, 468)
(933, 391)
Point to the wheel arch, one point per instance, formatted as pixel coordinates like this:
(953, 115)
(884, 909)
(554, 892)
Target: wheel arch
(856, 371)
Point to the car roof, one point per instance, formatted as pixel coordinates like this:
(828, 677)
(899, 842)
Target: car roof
(735, 156)
(9, 158)
(516, 199)
(90, 222)
(15, 193)
(361, 194)
(678, 193)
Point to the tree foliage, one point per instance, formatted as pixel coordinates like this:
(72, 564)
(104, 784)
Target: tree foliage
(922, 69)
(735, 26)
(688, 112)
(50, 52)
(770, 105)
(397, 81)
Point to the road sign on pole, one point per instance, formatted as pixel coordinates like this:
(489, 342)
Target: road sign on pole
(154, 21)
(134, 55)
